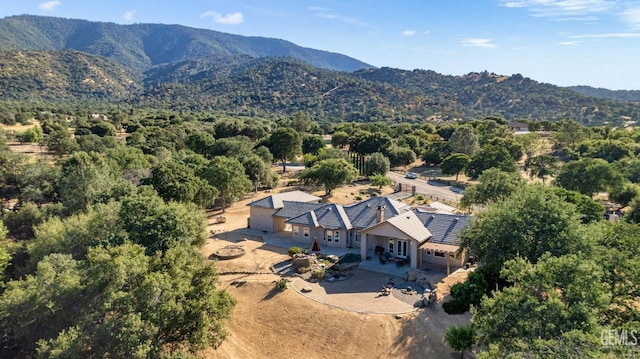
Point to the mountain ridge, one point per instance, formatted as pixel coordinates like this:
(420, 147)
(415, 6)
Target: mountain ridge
(142, 46)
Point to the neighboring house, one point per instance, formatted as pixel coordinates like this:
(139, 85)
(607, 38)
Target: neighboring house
(262, 211)
(518, 127)
(377, 226)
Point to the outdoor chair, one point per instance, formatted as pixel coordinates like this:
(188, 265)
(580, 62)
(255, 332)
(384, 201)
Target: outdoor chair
(382, 259)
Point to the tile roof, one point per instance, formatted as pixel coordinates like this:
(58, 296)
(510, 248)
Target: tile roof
(364, 214)
(330, 216)
(444, 227)
(293, 209)
(407, 223)
(276, 201)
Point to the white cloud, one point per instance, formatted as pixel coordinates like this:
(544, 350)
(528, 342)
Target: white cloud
(478, 42)
(566, 9)
(620, 35)
(233, 18)
(632, 17)
(409, 32)
(49, 5)
(570, 43)
(128, 15)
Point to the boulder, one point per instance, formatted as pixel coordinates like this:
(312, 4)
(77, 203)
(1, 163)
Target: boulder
(303, 261)
(306, 289)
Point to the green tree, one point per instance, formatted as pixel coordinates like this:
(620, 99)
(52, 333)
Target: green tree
(460, 338)
(84, 177)
(20, 223)
(624, 193)
(569, 133)
(39, 182)
(175, 181)
(492, 186)
(587, 176)
(330, 174)
(32, 135)
(158, 226)
(286, 145)
(301, 122)
(379, 180)
(541, 166)
(554, 296)
(118, 302)
(377, 163)
(339, 139)
(454, 164)
(227, 175)
(103, 128)
(529, 223)
(312, 144)
(464, 140)
(364, 142)
(401, 156)
(60, 142)
(436, 152)
(259, 172)
(491, 157)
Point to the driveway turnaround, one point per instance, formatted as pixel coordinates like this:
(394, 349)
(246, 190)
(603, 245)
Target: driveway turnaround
(361, 293)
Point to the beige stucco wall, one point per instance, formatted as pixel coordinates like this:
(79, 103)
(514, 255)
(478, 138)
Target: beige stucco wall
(261, 218)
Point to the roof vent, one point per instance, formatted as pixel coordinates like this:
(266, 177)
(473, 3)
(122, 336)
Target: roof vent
(456, 219)
(432, 216)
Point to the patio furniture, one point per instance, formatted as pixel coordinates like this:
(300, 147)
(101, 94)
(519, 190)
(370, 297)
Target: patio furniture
(382, 259)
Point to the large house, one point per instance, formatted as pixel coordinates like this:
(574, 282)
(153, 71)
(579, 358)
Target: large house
(379, 226)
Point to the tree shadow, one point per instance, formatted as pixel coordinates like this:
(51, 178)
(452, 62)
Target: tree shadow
(422, 334)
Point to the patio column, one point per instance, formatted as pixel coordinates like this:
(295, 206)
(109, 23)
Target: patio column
(363, 246)
(448, 268)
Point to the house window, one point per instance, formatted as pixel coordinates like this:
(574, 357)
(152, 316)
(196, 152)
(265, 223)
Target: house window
(452, 255)
(336, 236)
(296, 231)
(439, 254)
(358, 237)
(328, 235)
(429, 252)
(391, 243)
(305, 231)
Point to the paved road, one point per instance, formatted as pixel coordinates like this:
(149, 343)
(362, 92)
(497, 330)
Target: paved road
(422, 186)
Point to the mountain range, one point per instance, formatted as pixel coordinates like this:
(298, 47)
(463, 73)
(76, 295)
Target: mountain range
(186, 69)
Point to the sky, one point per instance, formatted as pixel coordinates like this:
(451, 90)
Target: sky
(561, 42)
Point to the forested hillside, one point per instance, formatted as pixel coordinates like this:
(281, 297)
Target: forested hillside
(178, 68)
(140, 46)
(620, 95)
(65, 74)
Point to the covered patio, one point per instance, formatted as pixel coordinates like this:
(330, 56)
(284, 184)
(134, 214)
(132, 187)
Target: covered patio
(395, 240)
(439, 255)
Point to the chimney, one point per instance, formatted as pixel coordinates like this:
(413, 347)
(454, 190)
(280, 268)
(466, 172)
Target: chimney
(380, 214)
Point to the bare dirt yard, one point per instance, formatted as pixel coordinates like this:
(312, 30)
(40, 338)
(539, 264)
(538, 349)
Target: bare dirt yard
(271, 324)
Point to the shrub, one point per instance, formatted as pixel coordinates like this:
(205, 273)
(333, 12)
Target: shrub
(455, 307)
(282, 284)
(466, 294)
(318, 274)
(294, 250)
(420, 197)
(358, 198)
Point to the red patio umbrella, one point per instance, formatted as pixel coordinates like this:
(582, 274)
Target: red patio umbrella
(316, 246)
